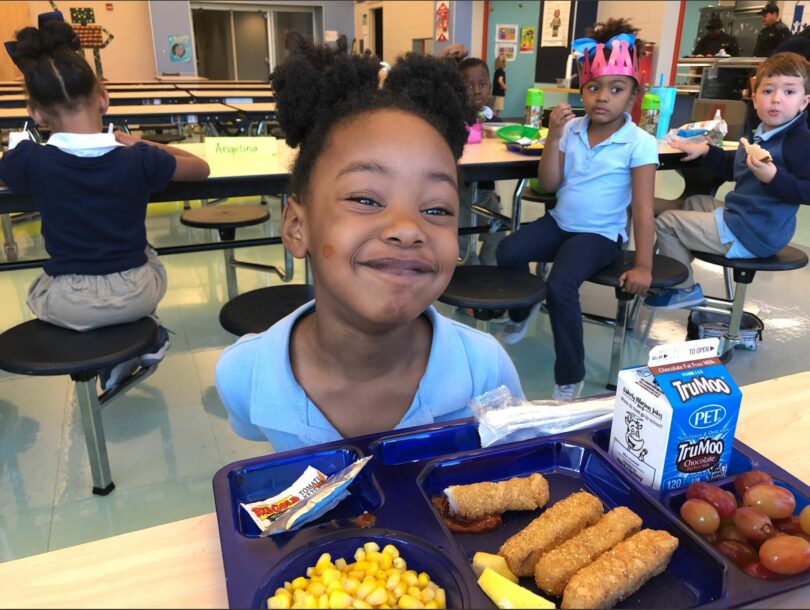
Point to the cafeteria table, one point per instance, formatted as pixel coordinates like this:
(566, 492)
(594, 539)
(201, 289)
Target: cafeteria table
(179, 565)
(227, 96)
(116, 98)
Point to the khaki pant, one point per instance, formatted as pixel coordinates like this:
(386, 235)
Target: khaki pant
(497, 104)
(84, 302)
(692, 228)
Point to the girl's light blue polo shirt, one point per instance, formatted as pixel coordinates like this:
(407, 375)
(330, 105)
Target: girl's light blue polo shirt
(264, 401)
(597, 184)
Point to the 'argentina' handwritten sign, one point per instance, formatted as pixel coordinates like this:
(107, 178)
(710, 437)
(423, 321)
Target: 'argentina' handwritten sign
(240, 156)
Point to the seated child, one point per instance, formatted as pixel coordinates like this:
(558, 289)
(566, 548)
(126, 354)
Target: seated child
(598, 164)
(475, 73)
(91, 190)
(759, 215)
(374, 206)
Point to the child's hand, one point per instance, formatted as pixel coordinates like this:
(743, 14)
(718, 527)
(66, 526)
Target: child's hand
(636, 281)
(763, 171)
(127, 139)
(559, 116)
(693, 151)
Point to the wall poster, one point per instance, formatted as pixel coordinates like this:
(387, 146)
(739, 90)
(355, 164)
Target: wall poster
(556, 16)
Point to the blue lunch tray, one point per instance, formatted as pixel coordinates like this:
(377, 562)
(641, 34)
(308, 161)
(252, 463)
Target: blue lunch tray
(410, 466)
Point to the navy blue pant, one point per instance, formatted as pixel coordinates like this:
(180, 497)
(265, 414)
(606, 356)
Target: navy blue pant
(576, 257)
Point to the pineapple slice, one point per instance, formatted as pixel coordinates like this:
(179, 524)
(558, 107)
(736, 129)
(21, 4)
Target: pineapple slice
(482, 560)
(506, 594)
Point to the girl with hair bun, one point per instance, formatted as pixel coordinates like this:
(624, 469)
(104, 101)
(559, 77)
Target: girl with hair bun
(91, 190)
(374, 206)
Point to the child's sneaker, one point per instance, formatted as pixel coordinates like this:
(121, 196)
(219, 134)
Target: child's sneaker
(158, 349)
(676, 298)
(513, 331)
(567, 392)
(111, 378)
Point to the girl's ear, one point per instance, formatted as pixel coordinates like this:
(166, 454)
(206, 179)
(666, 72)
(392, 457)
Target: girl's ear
(294, 228)
(104, 101)
(36, 114)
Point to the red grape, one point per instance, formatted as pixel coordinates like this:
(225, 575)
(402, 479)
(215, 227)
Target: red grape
(739, 553)
(757, 570)
(776, 502)
(804, 519)
(730, 532)
(789, 525)
(748, 479)
(753, 524)
(700, 515)
(722, 500)
(785, 554)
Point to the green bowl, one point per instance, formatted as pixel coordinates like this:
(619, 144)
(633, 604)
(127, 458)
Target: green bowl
(513, 133)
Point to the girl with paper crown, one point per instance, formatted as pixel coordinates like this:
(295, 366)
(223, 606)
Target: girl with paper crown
(91, 190)
(598, 164)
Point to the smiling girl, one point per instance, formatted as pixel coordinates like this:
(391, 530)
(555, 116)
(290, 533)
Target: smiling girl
(374, 206)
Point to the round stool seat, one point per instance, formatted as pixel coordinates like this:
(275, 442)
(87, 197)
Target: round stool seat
(258, 310)
(163, 138)
(785, 260)
(666, 271)
(38, 348)
(225, 216)
(493, 288)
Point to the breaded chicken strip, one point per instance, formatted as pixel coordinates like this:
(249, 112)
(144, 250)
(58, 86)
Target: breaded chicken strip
(621, 571)
(559, 565)
(482, 499)
(565, 519)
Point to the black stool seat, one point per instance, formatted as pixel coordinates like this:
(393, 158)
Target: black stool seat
(163, 138)
(493, 288)
(785, 260)
(258, 310)
(225, 216)
(665, 271)
(38, 348)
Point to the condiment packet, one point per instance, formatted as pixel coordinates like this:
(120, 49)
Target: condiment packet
(309, 497)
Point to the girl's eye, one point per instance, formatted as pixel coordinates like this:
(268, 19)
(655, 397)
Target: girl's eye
(616, 90)
(364, 201)
(438, 211)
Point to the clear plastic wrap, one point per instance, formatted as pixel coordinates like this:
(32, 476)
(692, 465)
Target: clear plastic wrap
(711, 132)
(502, 418)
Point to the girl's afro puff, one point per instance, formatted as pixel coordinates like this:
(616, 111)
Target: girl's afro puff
(317, 87)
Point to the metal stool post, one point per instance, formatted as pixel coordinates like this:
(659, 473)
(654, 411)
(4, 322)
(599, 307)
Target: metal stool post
(90, 411)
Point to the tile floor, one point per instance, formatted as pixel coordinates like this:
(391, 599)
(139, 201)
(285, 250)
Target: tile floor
(169, 435)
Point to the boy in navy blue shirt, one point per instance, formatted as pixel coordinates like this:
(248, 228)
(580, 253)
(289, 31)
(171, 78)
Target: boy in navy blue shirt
(759, 215)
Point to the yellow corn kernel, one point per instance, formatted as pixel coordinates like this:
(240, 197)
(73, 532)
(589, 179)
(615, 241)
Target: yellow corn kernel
(357, 575)
(392, 581)
(381, 575)
(288, 586)
(360, 554)
(310, 572)
(390, 549)
(431, 604)
(282, 591)
(360, 604)
(310, 602)
(373, 568)
(399, 562)
(386, 560)
(299, 595)
(279, 601)
(392, 600)
(373, 556)
(334, 585)
(366, 587)
(340, 599)
(385, 606)
(340, 564)
(428, 593)
(371, 546)
(440, 598)
(423, 580)
(299, 583)
(325, 560)
(330, 574)
(377, 596)
(360, 566)
(410, 578)
(323, 601)
(415, 593)
(351, 585)
(406, 601)
(316, 588)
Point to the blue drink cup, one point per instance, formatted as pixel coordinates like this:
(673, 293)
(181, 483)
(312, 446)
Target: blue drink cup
(667, 97)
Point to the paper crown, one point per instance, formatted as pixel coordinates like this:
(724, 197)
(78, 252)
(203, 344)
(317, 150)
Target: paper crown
(593, 63)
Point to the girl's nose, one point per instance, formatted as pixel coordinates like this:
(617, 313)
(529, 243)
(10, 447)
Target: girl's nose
(402, 227)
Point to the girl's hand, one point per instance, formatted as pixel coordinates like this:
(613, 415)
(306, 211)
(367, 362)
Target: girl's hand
(693, 151)
(127, 139)
(636, 281)
(559, 116)
(763, 171)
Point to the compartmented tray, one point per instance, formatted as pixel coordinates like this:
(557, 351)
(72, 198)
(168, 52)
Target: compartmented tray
(412, 465)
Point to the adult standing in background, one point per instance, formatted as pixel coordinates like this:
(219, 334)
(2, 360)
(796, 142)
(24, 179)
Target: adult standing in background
(499, 83)
(774, 32)
(716, 40)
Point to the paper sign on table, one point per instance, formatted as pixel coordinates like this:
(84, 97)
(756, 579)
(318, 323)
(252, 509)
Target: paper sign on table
(240, 156)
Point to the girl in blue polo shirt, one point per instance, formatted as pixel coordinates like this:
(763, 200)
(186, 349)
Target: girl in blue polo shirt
(91, 190)
(374, 206)
(598, 164)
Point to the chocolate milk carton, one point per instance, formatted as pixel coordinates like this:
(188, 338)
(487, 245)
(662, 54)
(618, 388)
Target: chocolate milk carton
(675, 418)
